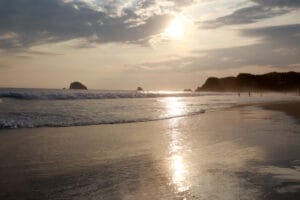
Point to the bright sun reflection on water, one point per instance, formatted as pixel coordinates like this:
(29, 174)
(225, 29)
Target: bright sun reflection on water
(179, 173)
(175, 107)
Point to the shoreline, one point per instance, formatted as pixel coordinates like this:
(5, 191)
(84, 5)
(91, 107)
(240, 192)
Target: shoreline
(291, 108)
(248, 152)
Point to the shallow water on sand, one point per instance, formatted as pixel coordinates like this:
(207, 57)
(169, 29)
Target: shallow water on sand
(241, 153)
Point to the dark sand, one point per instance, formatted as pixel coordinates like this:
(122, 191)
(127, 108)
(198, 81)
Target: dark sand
(245, 153)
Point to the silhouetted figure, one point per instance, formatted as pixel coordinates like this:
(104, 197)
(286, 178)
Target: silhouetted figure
(249, 93)
(188, 90)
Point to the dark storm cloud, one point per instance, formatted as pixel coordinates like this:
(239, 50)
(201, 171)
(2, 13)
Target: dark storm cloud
(263, 10)
(24, 23)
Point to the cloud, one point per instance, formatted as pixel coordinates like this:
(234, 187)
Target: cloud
(245, 16)
(279, 3)
(42, 53)
(32, 22)
(143, 4)
(262, 10)
(285, 35)
(278, 46)
(183, 3)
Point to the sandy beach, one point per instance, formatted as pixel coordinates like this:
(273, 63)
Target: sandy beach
(240, 153)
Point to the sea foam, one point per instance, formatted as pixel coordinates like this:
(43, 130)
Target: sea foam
(30, 108)
(41, 94)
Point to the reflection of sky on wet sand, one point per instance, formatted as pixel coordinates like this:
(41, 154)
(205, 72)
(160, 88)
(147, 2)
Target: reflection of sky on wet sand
(201, 164)
(179, 174)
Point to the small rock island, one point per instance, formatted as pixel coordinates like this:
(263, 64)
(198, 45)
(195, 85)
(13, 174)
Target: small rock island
(77, 86)
(139, 89)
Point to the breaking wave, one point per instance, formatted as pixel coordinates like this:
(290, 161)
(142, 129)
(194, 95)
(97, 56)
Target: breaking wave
(39, 94)
(35, 120)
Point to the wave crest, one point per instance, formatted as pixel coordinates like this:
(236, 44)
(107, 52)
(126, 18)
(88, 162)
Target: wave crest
(37, 94)
(29, 121)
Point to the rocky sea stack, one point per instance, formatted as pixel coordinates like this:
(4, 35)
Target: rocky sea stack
(139, 89)
(77, 86)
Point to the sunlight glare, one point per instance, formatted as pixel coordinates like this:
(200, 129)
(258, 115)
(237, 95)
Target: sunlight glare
(179, 173)
(176, 29)
(174, 106)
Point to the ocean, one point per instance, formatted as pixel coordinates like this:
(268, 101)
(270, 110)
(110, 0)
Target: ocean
(31, 108)
(71, 144)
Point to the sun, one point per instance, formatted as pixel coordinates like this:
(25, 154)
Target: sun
(176, 29)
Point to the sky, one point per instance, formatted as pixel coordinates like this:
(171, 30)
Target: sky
(155, 44)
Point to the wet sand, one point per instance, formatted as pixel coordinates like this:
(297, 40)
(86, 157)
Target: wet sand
(290, 108)
(240, 153)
